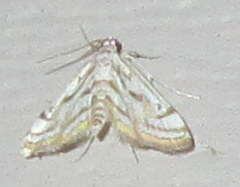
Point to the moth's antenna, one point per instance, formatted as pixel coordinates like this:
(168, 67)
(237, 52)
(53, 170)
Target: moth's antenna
(178, 92)
(93, 48)
(72, 50)
(89, 42)
(84, 34)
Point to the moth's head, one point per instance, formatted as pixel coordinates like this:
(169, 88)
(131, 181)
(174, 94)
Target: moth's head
(112, 44)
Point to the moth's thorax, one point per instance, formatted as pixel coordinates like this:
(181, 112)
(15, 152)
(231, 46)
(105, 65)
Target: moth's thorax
(104, 66)
(108, 52)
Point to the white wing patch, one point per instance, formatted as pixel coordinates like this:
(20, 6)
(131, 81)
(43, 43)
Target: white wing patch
(110, 91)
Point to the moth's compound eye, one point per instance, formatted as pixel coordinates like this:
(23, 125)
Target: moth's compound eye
(113, 43)
(118, 45)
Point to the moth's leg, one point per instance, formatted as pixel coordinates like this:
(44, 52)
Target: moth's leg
(212, 150)
(85, 55)
(135, 154)
(135, 54)
(62, 54)
(77, 49)
(86, 149)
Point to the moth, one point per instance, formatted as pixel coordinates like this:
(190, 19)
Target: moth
(111, 92)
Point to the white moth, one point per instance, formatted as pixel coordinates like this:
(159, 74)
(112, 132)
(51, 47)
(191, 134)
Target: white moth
(111, 91)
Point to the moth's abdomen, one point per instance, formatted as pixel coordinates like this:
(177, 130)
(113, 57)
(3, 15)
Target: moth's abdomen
(99, 113)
